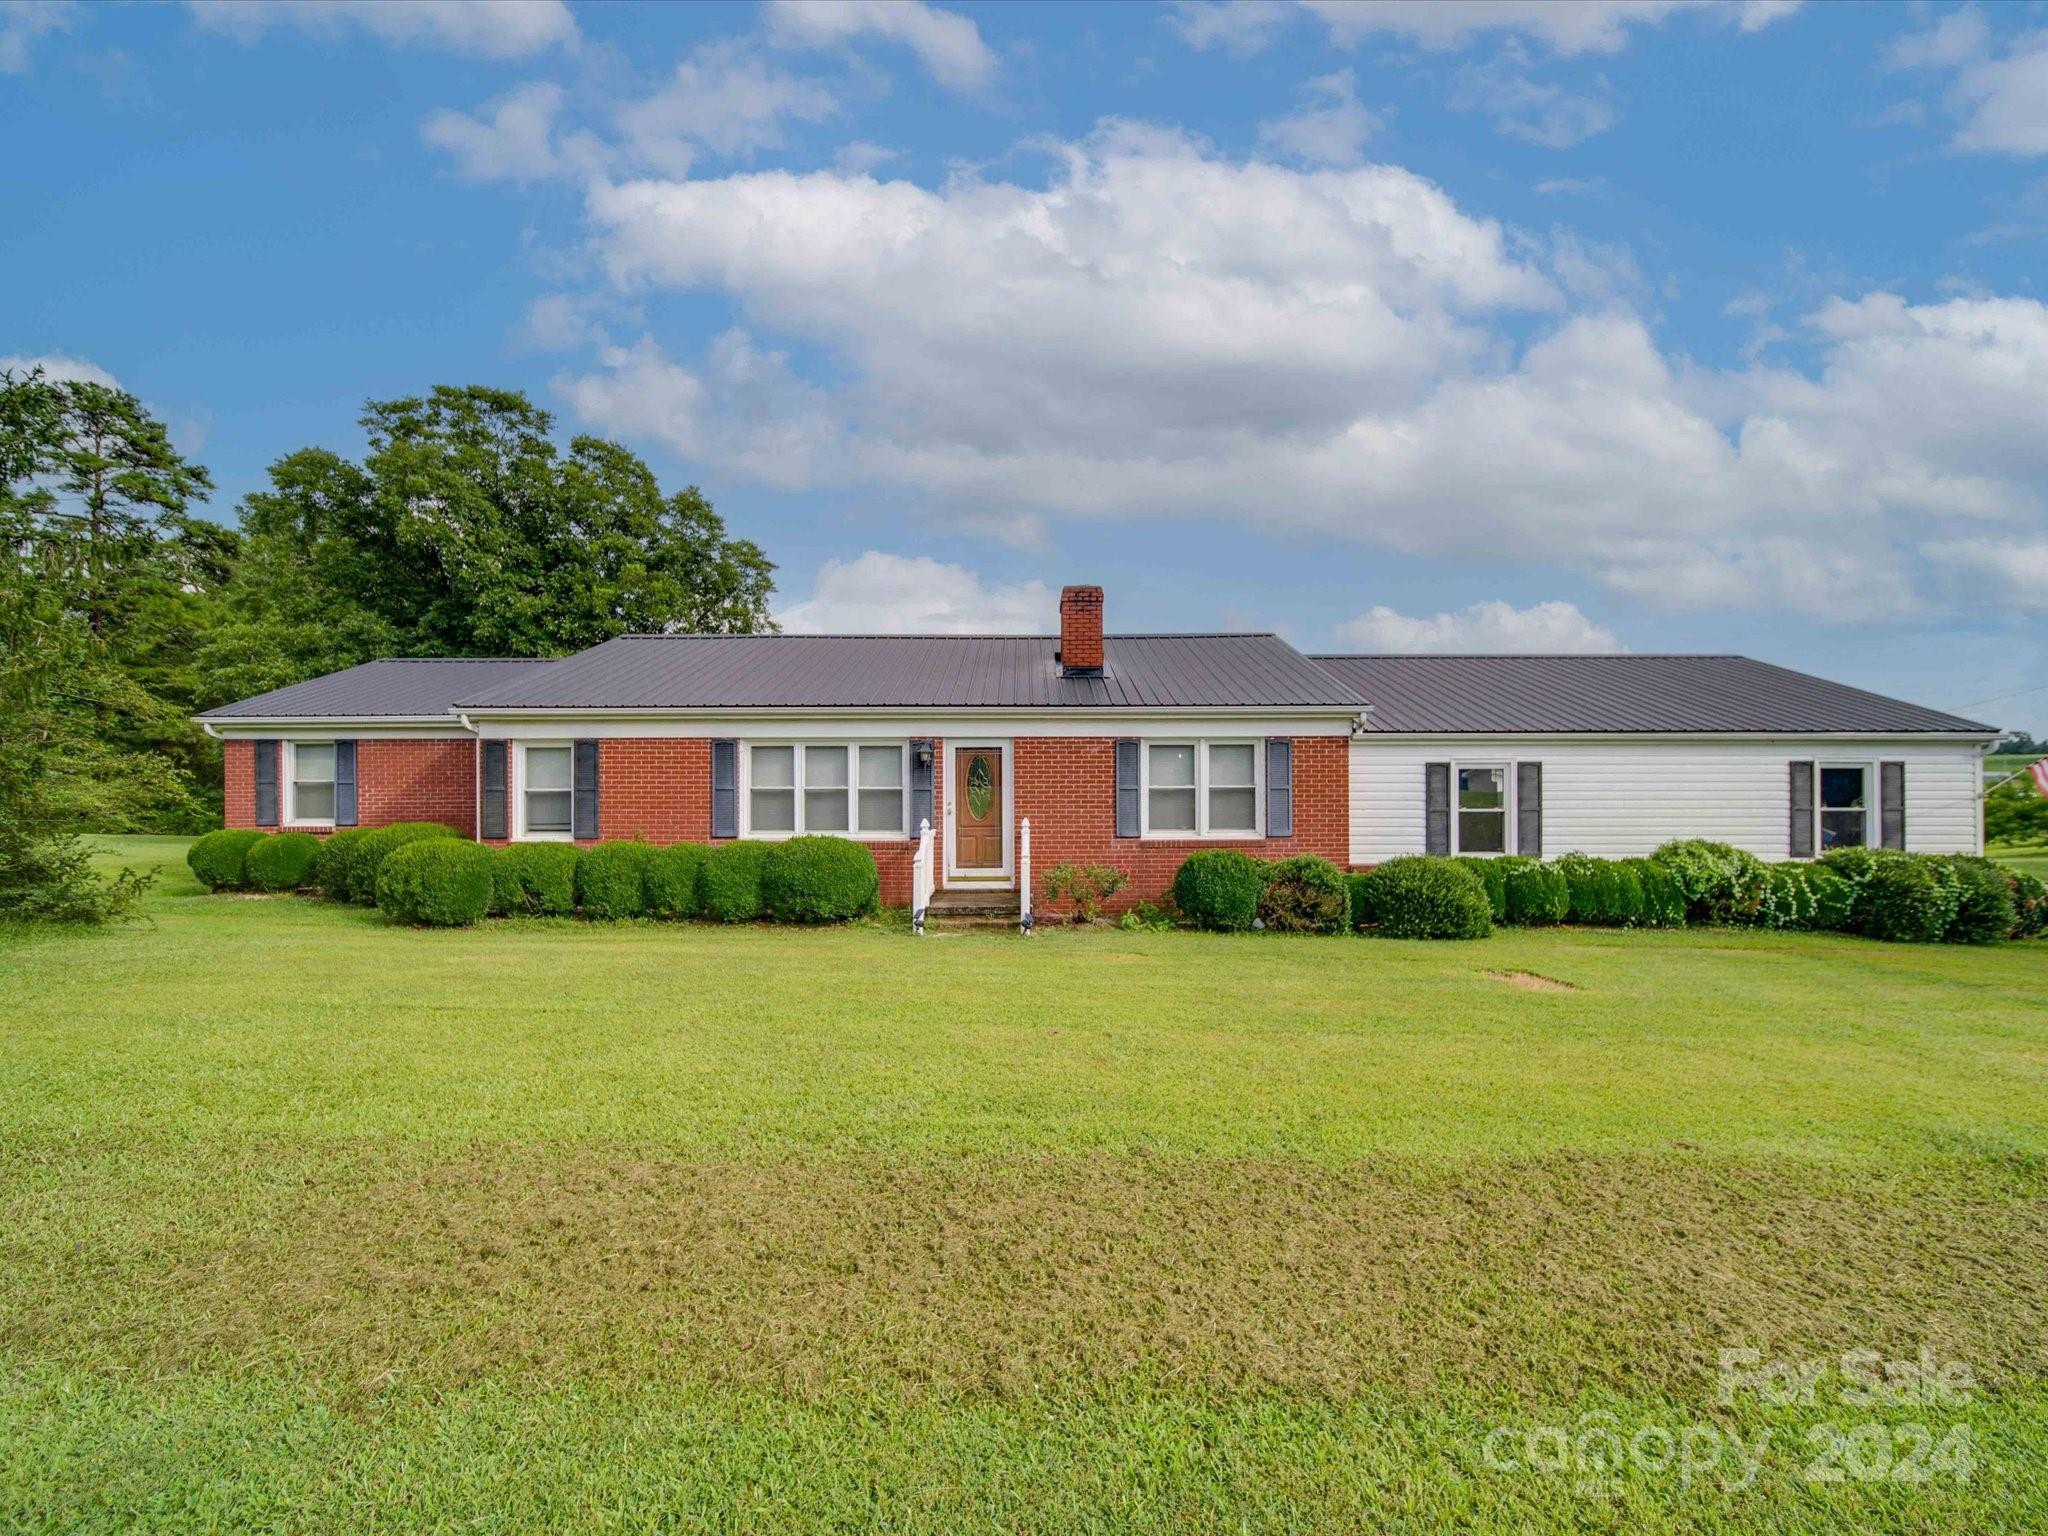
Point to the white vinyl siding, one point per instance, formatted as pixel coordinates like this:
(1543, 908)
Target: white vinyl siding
(1620, 799)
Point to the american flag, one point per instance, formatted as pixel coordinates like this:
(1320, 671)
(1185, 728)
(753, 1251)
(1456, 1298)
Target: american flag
(2039, 771)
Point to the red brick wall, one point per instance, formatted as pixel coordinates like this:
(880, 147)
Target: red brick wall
(1067, 786)
(238, 779)
(396, 780)
(659, 789)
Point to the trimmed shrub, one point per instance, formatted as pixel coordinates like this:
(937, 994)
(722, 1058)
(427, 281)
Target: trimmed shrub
(219, 859)
(1603, 892)
(365, 858)
(281, 862)
(535, 880)
(1985, 910)
(1422, 898)
(2030, 905)
(611, 880)
(1663, 899)
(334, 865)
(1535, 894)
(436, 882)
(1788, 899)
(1903, 902)
(1305, 894)
(819, 880)
(674, 879)
(731, 882)
(1493, 879)
(1834, 899)
(1218, 889)
(1722, 884)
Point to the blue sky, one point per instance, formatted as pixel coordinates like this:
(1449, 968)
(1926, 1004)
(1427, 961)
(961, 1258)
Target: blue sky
(1637, 325)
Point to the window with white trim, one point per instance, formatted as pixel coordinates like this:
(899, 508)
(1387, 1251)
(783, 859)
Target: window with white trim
(309, 783)
(1482, 809)
(547, 778)
(1202, 789)
(1843, 793)
(839, 789)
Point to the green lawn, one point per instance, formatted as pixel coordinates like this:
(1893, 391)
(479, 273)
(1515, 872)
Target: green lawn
(307, 1223)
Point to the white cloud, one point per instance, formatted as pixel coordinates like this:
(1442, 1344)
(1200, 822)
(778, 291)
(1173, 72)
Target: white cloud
(1527, 108)
(1494, 627)
(1161, 333)
(949, 45)
(1240, 28)
(861, 158)
(2000, 100)
(22, 22)
(1562, 26)
(884, 594)
(513, 140)
(726, 99)
(58, 368)
(488, 29)
(1329, 128)
(1998, 572)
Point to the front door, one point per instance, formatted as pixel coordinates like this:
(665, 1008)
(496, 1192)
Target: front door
(978, 809)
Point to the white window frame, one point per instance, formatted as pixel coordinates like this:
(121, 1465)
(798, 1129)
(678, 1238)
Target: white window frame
(515, 788)
(1203, 832)
(289, 767)
(1873, 831)
(1507, 809)
(852, 749)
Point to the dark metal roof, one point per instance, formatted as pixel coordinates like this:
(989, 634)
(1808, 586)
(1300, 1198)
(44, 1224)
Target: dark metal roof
(1620, 693)
(399, 688)
(919, 672)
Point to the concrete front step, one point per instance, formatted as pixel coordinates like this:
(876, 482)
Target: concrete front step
(959, 902)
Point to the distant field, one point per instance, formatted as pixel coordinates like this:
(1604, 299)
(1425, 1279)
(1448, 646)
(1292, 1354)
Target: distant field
(312, 1224)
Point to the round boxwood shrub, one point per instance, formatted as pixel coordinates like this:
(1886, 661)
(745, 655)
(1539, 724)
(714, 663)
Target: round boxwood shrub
(611, 880)
(1722, 884)
(1218, 889)
(1604, 892)
(368, 855)
(1305, 894)
(1985, 909)
(219, 859)
(675, 881)
(1535, 894)
(1903, 902)
(281, 862)
(1492, 879)
(819, 880)
(535, 880)
(1663, 900)
(436, 882)
(1425, 899)
(333, 870)
(730, 883)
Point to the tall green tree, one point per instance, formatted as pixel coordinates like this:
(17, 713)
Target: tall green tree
(466, 531)
(97, 502)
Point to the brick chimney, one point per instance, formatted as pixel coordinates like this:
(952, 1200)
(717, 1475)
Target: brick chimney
(1081, 631)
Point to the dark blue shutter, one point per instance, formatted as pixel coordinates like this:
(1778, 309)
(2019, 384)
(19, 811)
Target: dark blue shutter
(725, 789)
(1127, 823)
(344, 783)
(1891, 804)
(922, 755)
(1436, 808)
(583, 803)
(1801, 845)
(1529, 810)
(495, 820)
(266, 783)
(1279, 787)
